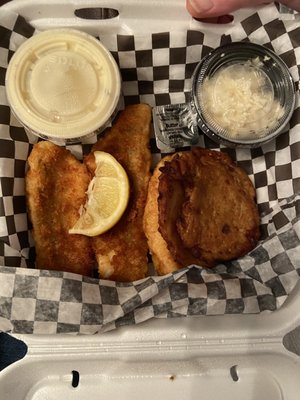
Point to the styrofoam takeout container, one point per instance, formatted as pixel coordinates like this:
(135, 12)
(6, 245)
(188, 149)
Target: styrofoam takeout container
(228, 357)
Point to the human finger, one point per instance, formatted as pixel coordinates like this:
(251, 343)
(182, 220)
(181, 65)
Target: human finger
(214, 8)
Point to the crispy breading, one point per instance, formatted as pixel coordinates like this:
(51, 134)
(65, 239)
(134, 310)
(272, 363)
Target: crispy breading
(203, 208)
(121, 252)
(56, 184)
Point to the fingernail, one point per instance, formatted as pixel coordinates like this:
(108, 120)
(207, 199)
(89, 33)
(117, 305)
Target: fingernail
(201, 5)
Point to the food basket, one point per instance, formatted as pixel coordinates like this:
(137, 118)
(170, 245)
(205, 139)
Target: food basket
(229, 334)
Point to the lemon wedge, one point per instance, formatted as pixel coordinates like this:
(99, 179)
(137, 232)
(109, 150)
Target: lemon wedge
(107, 197)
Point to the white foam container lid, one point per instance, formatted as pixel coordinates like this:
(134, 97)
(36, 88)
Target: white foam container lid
(209, 357)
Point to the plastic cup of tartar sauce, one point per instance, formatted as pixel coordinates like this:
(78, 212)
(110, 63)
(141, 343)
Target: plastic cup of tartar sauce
(63, 85)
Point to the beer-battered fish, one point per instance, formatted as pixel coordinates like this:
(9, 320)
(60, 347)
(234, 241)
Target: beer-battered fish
(55, 184)
(121, 252)
(200, 210)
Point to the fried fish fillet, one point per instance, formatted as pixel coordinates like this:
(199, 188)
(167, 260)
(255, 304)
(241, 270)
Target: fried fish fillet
(121, 253)
(56, 184)
(201, 210)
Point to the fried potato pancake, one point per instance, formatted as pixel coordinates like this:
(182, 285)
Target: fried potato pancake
(56, 184)
(204, 213)
(161, 256)
(121, 252)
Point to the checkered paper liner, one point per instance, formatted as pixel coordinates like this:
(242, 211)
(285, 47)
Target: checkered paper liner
(155, 69)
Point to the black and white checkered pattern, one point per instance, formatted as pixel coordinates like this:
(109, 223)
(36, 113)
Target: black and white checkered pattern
(155, 69)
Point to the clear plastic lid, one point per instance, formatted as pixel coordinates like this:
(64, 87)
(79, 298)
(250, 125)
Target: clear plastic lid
(244, 94)
(63, 83)
(239, 101)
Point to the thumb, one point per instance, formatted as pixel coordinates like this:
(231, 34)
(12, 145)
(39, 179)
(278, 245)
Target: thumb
(215, 8)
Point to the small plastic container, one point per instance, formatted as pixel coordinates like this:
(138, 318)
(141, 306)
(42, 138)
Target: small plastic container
(244, 95)
(63, 85)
